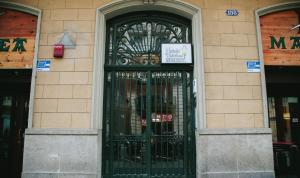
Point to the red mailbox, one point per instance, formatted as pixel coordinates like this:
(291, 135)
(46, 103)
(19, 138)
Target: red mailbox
(58, 50)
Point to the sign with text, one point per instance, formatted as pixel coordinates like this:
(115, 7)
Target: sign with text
(253, 66)
(232, 12)
(43, 65)
(281, 38)
(17, 39)
(176, 53)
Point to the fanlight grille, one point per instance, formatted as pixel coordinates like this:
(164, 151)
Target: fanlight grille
(139, 42)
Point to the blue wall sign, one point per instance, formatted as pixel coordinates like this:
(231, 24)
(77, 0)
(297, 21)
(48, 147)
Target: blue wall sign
(43, 65)
(253, 66)
(232, 12)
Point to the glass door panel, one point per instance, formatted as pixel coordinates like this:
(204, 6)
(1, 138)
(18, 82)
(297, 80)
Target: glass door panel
(284, 121)
(5, 131)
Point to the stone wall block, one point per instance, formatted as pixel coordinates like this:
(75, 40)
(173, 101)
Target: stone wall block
(220, 79)
(64, 14)
(79, 3)
(215, 121)
(221, 106)
(263, 156)
(72, 105)
(73, 78)
(214, 92)
(214, 65)
(45, 105)
(47, 155)
(52, 27)
(219, 52)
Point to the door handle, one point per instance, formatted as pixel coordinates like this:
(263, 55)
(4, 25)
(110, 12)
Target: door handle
(19, 136)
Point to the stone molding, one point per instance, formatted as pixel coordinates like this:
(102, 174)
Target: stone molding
(119, 7)
(236, 131)
(62, 131)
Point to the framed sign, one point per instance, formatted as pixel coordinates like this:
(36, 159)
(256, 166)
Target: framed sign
(281, 38)
(253, 66)
(232, 12)
(43, 65)
(17, 39)
(176, 53)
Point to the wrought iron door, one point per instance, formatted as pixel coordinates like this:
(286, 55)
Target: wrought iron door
(148, 127)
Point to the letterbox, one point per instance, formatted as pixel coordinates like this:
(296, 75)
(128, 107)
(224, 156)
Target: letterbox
(58, 50)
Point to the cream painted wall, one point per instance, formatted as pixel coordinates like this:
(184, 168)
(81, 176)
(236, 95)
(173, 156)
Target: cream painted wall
(233, 97)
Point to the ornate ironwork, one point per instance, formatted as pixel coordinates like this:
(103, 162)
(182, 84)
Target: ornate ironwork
(138, 42)
(148, 120)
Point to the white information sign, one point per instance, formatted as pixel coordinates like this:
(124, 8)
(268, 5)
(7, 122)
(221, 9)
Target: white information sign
(176, 53)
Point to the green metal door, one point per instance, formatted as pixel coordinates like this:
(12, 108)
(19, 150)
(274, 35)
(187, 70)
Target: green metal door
(148, 127)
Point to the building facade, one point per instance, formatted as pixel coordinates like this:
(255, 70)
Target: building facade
(110, 106)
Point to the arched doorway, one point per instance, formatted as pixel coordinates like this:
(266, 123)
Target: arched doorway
(18, 34)
(148, 122)
(279, 52)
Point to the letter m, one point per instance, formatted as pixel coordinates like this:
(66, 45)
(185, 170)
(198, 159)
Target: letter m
(278, 43)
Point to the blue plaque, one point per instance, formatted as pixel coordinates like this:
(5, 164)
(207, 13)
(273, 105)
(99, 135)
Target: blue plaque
(43, 65)
(253, 66)
(232, 12)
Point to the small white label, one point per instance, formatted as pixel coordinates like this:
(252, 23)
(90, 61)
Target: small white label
(176, 53)
(295, 120)
(194, 86)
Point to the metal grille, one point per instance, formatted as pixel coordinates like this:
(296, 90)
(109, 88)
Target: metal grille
(138, 40)
(148, 128)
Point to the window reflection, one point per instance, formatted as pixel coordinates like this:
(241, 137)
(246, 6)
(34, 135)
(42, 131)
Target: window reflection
(5, 124)
(280, 117)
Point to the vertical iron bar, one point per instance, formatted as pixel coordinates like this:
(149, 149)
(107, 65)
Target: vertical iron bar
(161, 110)
(172, 121)
(185, 118)
(111, 125)
(155, 115)
(105, 120)
(166, 135)
(113, 45)
(135, 120)
(193, 141)
(178, 123)
(123, 117)
(142, 149)
(148, 120)
(119, 122)
(130, 115)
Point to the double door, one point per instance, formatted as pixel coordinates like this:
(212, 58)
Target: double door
(148, 128)
(284, 115)
(14, 102)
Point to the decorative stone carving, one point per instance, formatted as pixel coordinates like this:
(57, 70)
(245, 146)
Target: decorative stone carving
(148, 1)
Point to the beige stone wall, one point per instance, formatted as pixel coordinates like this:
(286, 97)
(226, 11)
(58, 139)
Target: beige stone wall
(63, 95)
(233, 96)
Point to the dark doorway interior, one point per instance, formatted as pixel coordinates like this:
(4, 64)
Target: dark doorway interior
(14, 101)
(283, 90)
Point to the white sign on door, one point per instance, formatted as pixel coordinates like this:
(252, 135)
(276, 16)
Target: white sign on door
(176, 53)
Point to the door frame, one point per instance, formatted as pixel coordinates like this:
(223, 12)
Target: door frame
(120, 7)
(258, 13)
(38, 13)
(19, 92)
